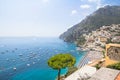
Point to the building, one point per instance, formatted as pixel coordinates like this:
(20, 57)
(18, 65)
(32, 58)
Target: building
(84, 72)
(106, 74)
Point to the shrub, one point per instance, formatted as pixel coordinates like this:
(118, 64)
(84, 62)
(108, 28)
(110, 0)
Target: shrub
(97, 66)
(71, 70)
(114, 66)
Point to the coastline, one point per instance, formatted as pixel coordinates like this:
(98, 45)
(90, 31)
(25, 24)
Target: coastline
(89, 57)
(82, 61)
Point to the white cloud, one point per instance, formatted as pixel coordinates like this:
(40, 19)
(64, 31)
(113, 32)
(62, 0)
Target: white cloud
(74, 12)
(85, 6)
(97, 2)
(93, 0)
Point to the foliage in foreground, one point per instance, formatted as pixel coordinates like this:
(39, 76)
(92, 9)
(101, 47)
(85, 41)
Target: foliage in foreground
(97, 66)
(114, 66)
(71, 70)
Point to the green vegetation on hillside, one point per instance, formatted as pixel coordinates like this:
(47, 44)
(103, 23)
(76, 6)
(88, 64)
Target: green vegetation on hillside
(103, 54)
(81, 40)
(118, 34)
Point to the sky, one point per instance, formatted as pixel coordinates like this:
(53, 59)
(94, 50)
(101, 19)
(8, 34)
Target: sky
(45, 18)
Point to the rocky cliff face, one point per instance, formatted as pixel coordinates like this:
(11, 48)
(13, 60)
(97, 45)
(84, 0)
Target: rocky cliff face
(104, 16)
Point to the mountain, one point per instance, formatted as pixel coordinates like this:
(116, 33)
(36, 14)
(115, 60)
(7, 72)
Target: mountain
(103, 16)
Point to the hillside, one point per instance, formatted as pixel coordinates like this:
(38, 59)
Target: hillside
(103, 16)
(97, 40)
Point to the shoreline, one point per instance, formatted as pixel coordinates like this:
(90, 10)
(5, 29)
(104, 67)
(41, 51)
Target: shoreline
(89, 57)
(82, 61)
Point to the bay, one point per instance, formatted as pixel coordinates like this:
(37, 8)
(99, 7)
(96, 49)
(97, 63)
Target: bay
(25, 58)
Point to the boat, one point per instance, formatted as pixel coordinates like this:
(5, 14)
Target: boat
(14, 68)
(20, 54)
(28, 64)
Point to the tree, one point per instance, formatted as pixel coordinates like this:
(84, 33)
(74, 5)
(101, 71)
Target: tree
(60, 61)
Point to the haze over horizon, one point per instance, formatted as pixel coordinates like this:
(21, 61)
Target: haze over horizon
(45, 18)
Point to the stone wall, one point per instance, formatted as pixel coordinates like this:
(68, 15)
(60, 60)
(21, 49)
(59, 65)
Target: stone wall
(114, 53)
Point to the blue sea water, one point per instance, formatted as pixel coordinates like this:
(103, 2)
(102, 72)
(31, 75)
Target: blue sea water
(29, 56)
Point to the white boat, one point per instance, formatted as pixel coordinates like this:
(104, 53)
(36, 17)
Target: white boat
(28, 64)
(14, 68)
(20, 54)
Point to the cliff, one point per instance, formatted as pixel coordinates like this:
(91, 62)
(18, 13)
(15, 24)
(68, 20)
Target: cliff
(103, 16)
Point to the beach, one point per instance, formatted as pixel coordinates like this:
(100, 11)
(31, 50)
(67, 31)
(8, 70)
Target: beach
(90, 57)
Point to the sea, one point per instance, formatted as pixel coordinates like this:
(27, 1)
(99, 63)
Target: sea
(25, 58)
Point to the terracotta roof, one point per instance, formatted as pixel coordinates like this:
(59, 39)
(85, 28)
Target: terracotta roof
(118, 77)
